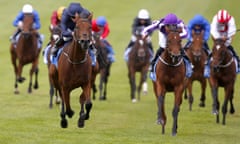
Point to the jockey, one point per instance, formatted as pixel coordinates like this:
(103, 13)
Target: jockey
(56, 17)
(223, 26)
(27, 9)
(100, 26)
(170, 21)
(55, 21)
(67, 26)
(198, 24)
(142, 20)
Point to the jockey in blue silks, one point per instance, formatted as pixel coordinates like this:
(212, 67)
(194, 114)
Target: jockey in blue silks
(67, 26)
(169, 21)
(199, 24)
(18, 22)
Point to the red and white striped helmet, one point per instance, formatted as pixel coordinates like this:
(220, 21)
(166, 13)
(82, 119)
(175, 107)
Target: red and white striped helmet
(223, 16)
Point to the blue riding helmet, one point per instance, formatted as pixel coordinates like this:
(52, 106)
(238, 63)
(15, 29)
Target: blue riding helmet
(199, 19)
(74, 8)
(101, 21)
(170, 19)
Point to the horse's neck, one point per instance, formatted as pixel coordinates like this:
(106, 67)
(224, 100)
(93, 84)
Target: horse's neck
(75, 51)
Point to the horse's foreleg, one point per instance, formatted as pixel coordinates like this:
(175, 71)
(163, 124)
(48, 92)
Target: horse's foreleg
(232, 110)
(203, 96)
(20, 79)
(215, 103)
(36, 78)
(190, 96)
(101, 83)
(66, 98)
(177, 102)
(132, 82)
(228, 94)
(64, 122)
(14, 63)
(161, 113)
(85, 98)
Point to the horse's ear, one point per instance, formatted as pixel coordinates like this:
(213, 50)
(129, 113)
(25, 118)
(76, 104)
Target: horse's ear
(90, 16)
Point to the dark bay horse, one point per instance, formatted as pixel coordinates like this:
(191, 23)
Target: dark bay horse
(198, 57)
(104, 67)
(74, 71)
(223, 74)
(25, 52)
(54, 36)
(170, 76)
(138, 61)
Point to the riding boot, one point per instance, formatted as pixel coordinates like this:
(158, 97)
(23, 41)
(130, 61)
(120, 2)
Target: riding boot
(206, 73)
(206, 48)
(13, 38)
(56, 46)
(131, 43)
(188, 63)
(187, 45)
(158, 53)
(235, 55)
(185, 56)
(150, 46)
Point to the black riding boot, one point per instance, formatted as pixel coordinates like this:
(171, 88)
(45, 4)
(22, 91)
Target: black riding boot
(187, 45)
(184, 55)
(13, 39)
(56, 46)
(130, 44)
(158, 53)
(235, 55)
(206, 48)
(150, 46)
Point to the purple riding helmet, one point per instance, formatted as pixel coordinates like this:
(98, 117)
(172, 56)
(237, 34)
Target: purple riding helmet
(170, 19)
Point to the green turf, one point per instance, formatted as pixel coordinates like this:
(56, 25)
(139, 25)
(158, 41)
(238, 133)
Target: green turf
(26, 118)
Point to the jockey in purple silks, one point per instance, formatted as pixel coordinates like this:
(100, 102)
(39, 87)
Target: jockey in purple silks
(172, 22)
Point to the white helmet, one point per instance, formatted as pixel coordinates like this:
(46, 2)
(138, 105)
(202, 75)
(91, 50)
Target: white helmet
(143, 14)
(27, 8)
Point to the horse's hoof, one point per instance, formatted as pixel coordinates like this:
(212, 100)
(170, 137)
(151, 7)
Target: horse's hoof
(16, 92)
(134, 100)
(215, 112)
(21, 79)
(102, 98)
(35, 86)
(174, 133)
(160, 122)
(232, 111)
(50, 106)
(64, 123)
(70, 113)
(81, 120)
(202, 105)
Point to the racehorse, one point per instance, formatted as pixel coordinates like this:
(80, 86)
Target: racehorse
(170, 76)
(198, 57)
(223, 74)
(75, 70)
(104, 67)
(55, 36)
(24, 52)
(138, 61)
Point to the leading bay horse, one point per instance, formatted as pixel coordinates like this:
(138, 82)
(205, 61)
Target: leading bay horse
(198, 57)
(104, 67)
(74, 71)
(223, 74)
(170, 76)
(26, 51)
(138, 61)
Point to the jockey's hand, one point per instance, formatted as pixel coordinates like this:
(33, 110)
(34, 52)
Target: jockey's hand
(224, 38)
(20, 24)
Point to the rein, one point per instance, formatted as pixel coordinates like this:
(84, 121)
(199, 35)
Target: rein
(227, 64)
(166, 63)
(73, 62)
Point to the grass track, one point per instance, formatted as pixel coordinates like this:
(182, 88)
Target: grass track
(26, 119)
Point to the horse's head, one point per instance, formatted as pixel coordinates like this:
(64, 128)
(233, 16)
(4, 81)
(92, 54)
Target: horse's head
(174, 46)
(220, 54)
(56, 34)
(27, 24)
(83, 30)
(197, 44)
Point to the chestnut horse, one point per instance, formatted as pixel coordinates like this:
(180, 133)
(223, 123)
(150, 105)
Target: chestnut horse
(104, 67)
(74, 71)
(223, 74)
(26, 51)
(55, 35)
(138, 61)
(198, 57)
(170, 76)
